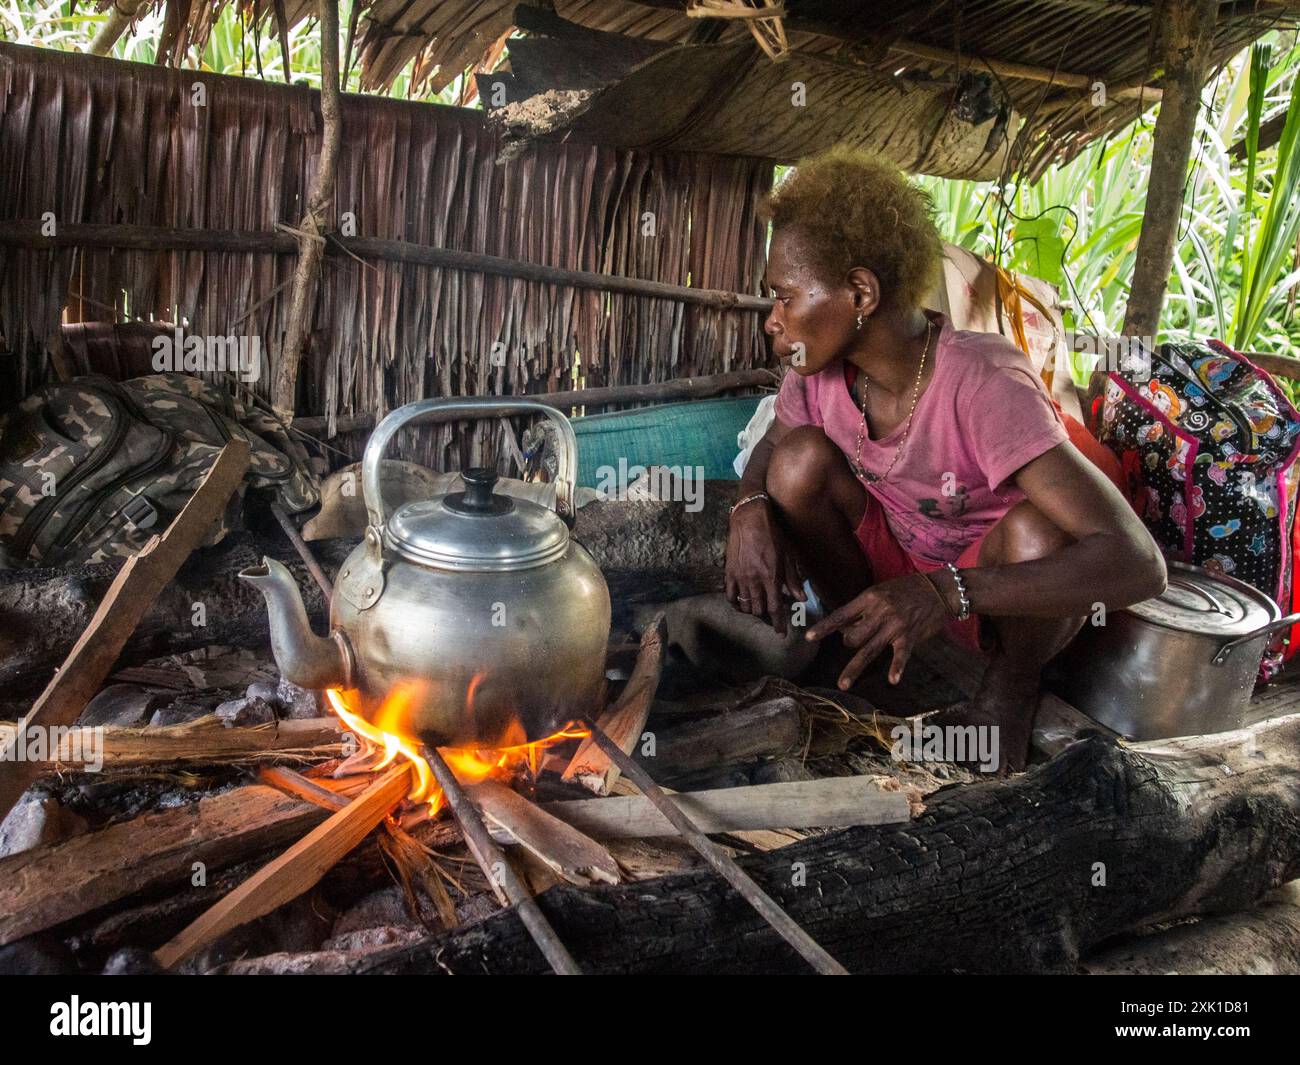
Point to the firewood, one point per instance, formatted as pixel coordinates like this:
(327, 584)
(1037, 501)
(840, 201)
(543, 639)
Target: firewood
(133, 590)
(205, 741)
(830, 803)
(764, 730)
(625, 721)
(996, 877)
(47, 886)
(557, 844)
(299, 868)
(299, 786)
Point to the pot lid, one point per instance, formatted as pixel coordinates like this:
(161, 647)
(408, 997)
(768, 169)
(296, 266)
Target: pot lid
(1207, 603)
(477, 530)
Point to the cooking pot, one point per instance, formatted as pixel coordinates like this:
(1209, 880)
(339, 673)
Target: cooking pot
(1181, 664)
(468, 619)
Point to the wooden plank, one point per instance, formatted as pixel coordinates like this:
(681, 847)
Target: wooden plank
(831, 802)
(625, 721)
(568, 853)
(132, 592)
(49, 885)
(295, 871)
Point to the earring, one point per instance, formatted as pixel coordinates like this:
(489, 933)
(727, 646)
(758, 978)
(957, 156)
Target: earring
(860, 321)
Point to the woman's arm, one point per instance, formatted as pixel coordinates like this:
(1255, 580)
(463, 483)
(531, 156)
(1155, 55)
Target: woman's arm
(759, 561)
(1113, 560)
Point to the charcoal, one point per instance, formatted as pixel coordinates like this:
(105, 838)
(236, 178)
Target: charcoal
(125, 705)
(241, 712)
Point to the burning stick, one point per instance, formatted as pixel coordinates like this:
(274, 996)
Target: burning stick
(495, 867)
(296, 870)
(808, 947)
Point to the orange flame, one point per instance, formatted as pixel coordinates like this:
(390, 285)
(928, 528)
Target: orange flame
(469, 765)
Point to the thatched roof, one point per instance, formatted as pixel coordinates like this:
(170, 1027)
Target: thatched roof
(949, 87)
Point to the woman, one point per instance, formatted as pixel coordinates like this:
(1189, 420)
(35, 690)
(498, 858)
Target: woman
(918, 476)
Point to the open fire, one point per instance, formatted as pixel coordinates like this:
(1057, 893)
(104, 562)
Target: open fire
(388, 733)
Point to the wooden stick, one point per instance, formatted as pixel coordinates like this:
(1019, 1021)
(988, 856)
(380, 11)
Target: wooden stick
(1185, 39)
(205, 741)
(304, 552)
(624, 721)
(682, 388)
(161, 238)
(564, 850)
(832, 802)
(499, 872)
(46, 886)
(311, 239)
(722, 863)
(132, 592)
(295, 871)
(301, 787)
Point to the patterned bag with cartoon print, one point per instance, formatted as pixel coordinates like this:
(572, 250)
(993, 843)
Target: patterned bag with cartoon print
(1208, 444)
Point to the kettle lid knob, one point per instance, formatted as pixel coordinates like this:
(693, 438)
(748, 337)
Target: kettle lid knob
(478, 497)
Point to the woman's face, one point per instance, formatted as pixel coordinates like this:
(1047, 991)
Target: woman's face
(812, 322)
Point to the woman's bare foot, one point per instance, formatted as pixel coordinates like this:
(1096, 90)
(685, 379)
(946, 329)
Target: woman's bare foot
(1002, 712)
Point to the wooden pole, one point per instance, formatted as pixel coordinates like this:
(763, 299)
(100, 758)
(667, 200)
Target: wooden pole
(27, 234)
(1186, 36)
(121, 14)
(311, 238)
(809, 949)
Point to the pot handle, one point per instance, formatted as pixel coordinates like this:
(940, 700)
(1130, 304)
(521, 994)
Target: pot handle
(1272, 626)
(456, 409)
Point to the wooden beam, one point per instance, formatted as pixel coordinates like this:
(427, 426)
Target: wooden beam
(44, 887)
(1186, 37)
(132, 592)
(832, 802)
(311, 230)
(27, 234)
(295, 871)
(623, 722)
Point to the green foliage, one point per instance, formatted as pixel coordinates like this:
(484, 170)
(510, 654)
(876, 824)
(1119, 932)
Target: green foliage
(1235, 267)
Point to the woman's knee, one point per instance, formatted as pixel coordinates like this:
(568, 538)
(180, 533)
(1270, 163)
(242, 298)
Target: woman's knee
(800, 465)
(1023, 534)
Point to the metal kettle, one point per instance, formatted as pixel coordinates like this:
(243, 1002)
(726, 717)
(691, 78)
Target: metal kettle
(472, 619)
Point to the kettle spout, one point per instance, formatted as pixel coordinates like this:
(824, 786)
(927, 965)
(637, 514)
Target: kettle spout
(308, 660)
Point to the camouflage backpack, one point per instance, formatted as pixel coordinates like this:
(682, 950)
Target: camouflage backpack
(91, 469)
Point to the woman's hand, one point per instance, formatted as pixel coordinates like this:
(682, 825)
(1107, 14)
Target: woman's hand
(758, 562)
(901, 614)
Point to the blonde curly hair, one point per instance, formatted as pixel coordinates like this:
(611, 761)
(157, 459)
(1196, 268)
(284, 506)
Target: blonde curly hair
(851, 209)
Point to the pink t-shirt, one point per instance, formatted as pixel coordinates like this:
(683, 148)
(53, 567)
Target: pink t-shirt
(983, 416)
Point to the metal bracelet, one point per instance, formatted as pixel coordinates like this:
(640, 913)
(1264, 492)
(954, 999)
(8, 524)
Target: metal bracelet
(964, 599)
(741, 502)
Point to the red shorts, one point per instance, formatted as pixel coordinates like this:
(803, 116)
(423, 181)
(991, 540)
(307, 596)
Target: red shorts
(888, 560)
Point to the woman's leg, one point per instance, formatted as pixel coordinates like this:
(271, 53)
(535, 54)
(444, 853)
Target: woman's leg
(1009, 692)
(820, 504)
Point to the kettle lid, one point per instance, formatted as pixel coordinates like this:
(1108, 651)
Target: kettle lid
(477, 530)
(1211, 604)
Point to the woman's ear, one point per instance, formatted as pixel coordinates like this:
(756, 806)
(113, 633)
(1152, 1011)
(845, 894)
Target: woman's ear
(866, 290)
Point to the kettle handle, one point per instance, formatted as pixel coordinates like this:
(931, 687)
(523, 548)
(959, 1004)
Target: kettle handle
(457, 409)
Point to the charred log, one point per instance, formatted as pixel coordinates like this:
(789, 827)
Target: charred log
(1019, 876)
